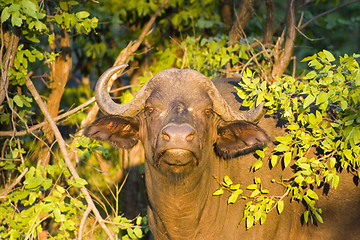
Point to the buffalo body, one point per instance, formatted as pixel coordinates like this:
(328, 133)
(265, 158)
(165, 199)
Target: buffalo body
(192, 130)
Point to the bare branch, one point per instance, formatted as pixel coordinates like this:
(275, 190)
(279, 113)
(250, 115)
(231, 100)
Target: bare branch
(282, 57)
(326, 13)
(7, 61)
(18, 179)
(65, 154)
(125, 54)
(242, 18)
(83, 220)
(57, 118)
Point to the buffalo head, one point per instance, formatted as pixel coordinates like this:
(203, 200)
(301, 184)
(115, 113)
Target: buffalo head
(181, 118)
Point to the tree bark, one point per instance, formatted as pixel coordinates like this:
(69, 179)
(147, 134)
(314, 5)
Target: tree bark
(242, 18)
(10, 42)
(270, 13)
(282, 57)
(59, 75)
(227, 13)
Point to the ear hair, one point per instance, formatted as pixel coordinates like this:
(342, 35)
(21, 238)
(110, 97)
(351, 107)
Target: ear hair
(121, 132)
(239, 138)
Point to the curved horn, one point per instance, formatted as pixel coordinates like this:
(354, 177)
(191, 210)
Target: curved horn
(107, 105)
(255, 113)
(220, 105)
(226, 88)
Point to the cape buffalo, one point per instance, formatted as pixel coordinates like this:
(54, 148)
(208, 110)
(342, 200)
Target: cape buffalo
(192, 129)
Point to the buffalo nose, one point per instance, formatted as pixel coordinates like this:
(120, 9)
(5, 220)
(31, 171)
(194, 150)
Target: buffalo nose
(178, 133)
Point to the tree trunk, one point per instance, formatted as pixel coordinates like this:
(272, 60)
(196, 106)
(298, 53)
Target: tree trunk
(282, 57)
(59, 75)
(242, 18)
(11, 42)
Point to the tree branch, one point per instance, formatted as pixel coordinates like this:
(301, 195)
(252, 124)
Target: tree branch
(18, 179)
(123, 58)
(7, 61)
(270, 12)
(57, 118)
(326, 13)
(125, 54)
(83, 220)
(65, 154)
(242, 18)
(282, 57)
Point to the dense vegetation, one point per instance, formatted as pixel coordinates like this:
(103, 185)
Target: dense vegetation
(57, 184)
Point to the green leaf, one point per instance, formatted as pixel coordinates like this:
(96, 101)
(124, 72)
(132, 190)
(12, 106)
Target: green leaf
(318, 216)
(308, 100)
(252, 187)
(78, 182)
(249, 221)
(235, 187)
(306, 216)
(329, 56)
(227, 181)
(5, 14)
(29, 5)
(138, 233)
(280, 206)
(287, 158)
(274, 160)
(138, 220)
(258, 164)
(335, 181)
(18, 100)
(281, 148)
(310, 193)
(332, 162)
(82, 14)
(234, 196)
(64, 6)
(60, 189)
(218, 192)
(323, 97)
(255, 193)
(16, 20)
(33, 182)
(309, 58)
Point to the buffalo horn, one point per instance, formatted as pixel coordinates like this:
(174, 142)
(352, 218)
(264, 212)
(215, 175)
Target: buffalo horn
(220, 106)
(107, 105)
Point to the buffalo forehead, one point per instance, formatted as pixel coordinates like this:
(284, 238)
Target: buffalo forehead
(182, 89)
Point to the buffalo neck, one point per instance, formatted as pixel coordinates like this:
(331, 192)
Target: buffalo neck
(176, 207)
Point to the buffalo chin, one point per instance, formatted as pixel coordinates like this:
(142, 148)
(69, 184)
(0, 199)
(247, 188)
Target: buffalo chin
(176, 161)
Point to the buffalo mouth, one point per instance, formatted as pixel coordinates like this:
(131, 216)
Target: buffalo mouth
(176, 160)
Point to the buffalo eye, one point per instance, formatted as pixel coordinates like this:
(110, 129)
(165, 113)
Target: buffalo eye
(149, 109)
(208, 112)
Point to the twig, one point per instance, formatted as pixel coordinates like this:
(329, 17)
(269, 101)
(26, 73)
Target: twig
(18, 179)
(281, 198)
(327, 12)
(124, 225)
(123, 57)
(57, 118)
(83, 220)
(65, 154)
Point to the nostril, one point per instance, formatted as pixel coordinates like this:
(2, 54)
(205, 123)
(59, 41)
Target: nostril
(178, 133)
(190, 137)
(165, 136)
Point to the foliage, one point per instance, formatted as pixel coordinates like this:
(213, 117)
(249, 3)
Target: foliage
(187, 34)
(321, 113)
(48, 198)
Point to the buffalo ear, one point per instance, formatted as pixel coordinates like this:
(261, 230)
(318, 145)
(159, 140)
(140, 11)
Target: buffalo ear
(121, 132)
(238, 138)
